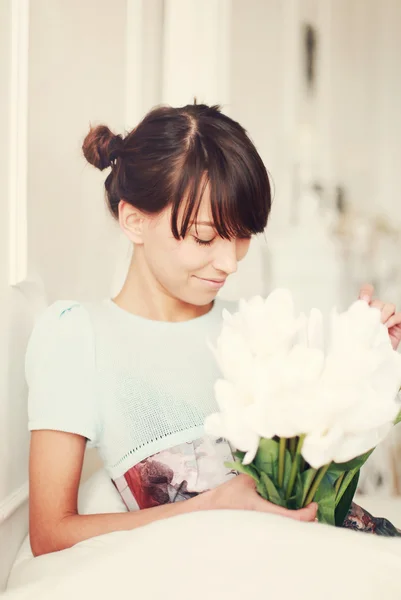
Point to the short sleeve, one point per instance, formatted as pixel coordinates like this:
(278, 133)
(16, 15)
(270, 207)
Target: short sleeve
(60, 372)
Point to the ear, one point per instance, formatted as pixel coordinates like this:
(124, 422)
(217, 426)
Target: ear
(131, 222)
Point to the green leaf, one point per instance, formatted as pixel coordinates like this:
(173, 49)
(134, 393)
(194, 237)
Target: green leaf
(272, 493)
(355, 463)
(344, 504)
(326, 499)
(261, 489)
(292, 503)
(246, 469)
(299, 491)
(306, 481)
(334, 473)
(266, 459)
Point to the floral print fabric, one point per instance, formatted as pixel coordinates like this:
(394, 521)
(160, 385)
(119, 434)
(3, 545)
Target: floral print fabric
(360, 519)
(176, 474)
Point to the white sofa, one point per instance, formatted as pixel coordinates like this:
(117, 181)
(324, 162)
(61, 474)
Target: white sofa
(217, 554)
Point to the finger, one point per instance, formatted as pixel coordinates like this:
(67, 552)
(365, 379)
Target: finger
(303, 514)
(377, 304)
(394, 320)
(388, 311)
(366, 292)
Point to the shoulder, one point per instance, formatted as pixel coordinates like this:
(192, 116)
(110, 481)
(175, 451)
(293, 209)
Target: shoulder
(64, 327)
(63, 315)
(63, 318)
(61, 309)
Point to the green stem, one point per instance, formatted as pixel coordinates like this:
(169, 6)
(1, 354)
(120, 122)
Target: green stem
(316, 482)
(293, 446)
(306, 491)
(295, 466)
(339, 482)
(281, 461)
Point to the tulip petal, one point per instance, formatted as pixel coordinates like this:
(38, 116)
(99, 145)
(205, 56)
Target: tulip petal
(315, 330)
(318, 448)
(356, 445)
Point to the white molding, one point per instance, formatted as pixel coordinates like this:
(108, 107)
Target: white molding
(13, 502)
(134, 64)
(18, 231)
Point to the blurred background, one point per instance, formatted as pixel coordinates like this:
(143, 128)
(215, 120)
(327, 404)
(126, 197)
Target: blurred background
(317, 84)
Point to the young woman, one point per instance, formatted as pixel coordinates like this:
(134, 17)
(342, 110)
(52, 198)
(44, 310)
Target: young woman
(134, 376)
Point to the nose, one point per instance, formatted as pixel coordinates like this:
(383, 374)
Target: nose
(226, 259)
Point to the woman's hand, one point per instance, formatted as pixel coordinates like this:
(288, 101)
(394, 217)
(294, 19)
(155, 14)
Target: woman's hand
(389, 316)
(240, 493)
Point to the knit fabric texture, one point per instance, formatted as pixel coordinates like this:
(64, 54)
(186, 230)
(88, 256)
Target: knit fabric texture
(132, 386)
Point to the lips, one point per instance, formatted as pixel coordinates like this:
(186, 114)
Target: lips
(219, 281)
(213, 283)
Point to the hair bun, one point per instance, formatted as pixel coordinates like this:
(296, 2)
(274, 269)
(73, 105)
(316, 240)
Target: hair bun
(116, 147)
(101, 146)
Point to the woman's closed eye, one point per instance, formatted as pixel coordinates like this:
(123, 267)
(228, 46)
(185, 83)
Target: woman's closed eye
(203, 242)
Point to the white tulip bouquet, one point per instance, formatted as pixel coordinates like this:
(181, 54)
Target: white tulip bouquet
(304, 415)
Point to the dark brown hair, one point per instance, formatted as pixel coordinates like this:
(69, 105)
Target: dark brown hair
(170, 157)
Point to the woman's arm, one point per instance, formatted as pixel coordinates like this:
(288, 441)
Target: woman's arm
(55, 468)
(56, 460)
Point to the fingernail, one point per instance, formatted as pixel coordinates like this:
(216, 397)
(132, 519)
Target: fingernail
(365, 298)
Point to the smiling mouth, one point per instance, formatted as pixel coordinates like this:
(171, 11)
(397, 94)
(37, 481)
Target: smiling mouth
(212, 282)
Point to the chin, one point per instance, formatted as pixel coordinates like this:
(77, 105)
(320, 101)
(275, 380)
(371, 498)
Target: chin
(200, 300)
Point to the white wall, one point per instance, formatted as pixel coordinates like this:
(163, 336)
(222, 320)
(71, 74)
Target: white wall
(347, 133)
(259, 79)
(76, 70)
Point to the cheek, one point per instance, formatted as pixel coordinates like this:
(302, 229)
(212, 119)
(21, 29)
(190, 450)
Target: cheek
(242, 248)
(191, 257)
(176, 259)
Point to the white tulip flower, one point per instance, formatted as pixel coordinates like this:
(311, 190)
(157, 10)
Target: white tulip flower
(357, 390)
(234, 357)
(282, 378)
(284, 391)
(231, 423)
(267, 327)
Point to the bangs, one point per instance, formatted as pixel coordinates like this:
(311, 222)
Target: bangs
(238, 183)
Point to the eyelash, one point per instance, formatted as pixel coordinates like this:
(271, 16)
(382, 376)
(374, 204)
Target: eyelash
(203, 242)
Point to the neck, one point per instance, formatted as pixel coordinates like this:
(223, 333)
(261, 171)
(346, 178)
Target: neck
(144, 296)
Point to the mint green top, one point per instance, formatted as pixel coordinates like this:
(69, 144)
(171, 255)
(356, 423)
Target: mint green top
(133, 387)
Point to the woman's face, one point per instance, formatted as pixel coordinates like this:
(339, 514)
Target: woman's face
(194, 269)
